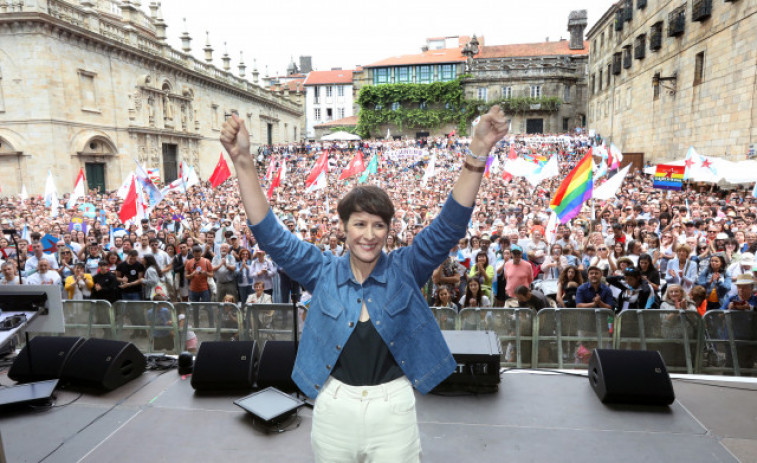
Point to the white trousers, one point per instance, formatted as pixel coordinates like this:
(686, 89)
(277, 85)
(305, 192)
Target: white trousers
(367, 424)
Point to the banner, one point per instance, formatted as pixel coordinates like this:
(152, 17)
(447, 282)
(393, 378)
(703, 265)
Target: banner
(668, 177)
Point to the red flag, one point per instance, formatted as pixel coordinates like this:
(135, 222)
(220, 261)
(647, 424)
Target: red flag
(220, 173)
(355, 166)
(512, 154)
(276, 182)
(507, 176)
(129, 207)
(269, 171)
(321, 164)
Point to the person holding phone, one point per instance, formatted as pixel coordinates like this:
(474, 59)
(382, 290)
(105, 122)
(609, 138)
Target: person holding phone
(370, 336)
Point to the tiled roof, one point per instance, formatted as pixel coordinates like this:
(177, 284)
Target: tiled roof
(445, 55)
(329, 77)
(531, 49)
(347, 121)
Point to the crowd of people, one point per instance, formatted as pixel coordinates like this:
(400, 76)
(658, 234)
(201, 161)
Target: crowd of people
(692, 249)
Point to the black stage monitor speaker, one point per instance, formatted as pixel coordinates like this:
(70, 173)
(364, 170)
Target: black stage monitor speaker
(43, 358)
(225, 366)
(478, 355)
(276, 365)
(630, 377)
(104, 364)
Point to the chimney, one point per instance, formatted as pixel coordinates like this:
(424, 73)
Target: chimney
(577, 22)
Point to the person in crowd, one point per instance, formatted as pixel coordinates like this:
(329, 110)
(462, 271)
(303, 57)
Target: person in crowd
(603, 260)
(594, 293)
(105, 284)
(225, 273)
(39, 254)
(78, 286)
(567, 285)
(366, 214)
(244, 277)
(263, 270)
(533, 299)
(635, 292)
(554, 263)
(682, 269)
(744, 299)
(153, 278)
(675, 299)
(43, 274)
(65, 263)
(91, 255)
(649, 273)
(517, 271)
(716, 281)
(483, 272)
(181, 282)
(742, 266)
(10, 276)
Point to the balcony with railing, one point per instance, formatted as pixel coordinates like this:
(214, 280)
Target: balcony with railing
(655, 37)
(617, 61)
(701, 10)
(639, 46)
(677, 21)
(619, 19)
(627, 59)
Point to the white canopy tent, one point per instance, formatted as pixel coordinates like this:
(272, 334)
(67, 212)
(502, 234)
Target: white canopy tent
(340, 136)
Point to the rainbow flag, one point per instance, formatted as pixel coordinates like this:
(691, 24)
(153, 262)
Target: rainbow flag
(574, 190)
(668, 177)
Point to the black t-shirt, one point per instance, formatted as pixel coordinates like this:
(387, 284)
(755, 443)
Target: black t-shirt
(131, 272)
(365, 359)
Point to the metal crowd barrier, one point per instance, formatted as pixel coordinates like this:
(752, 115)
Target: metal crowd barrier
(268, 322)
(566, 337)
(210, 321)
(729, 342)
(721, 342)
(674, 333)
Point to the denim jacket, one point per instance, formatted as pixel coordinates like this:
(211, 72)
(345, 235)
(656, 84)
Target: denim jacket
(391, 293)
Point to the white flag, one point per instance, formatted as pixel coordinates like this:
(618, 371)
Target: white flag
(551, 230)
(51, 195)
(24, 195)
(430, 170)
(123, 190)
(78, 190)
(610, 188)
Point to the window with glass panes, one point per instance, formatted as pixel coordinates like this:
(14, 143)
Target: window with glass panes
(403, 74)
(424, 74)
(340, 90)
(536, 91)
(329, 91)
(507, 92)
(317, 114)
(482, 93)
(448, 72)
(380, 76)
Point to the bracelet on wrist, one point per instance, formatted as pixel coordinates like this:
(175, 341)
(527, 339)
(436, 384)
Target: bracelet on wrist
(471, 167)
(470, 153)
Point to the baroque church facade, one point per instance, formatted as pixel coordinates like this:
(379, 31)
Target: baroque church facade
(93, 85)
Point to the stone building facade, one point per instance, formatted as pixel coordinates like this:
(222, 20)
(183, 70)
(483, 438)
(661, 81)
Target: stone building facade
(536, 70)
(665, 75)
(94, 85)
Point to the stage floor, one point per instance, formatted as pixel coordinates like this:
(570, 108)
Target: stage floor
(534, 417)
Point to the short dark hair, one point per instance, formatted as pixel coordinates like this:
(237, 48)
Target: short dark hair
(134, 253)
(593, 267)
(522, 290)
(366, 198)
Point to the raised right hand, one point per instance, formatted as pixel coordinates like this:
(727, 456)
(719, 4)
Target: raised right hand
(235, 138)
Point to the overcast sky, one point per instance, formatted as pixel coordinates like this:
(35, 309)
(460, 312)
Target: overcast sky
(346, 33)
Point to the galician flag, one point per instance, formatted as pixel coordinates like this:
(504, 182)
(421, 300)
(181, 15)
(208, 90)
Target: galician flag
(78, 190)
(148, 188)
